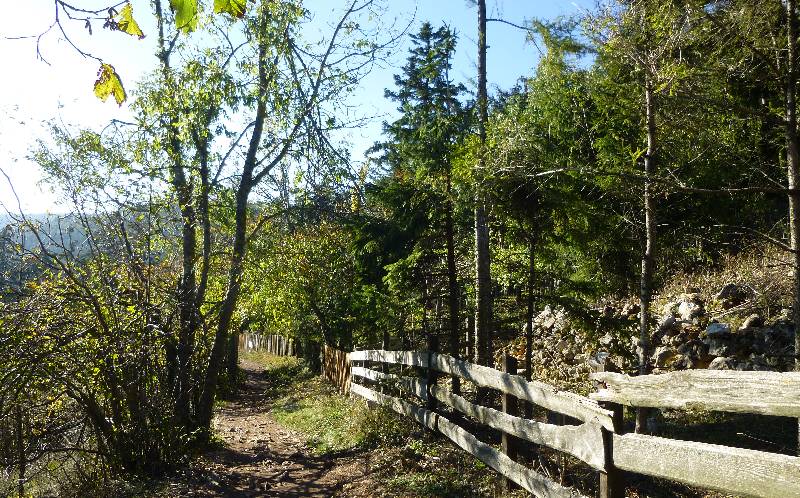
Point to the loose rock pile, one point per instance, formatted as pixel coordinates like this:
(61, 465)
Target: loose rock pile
(686, 337)
(561, 350)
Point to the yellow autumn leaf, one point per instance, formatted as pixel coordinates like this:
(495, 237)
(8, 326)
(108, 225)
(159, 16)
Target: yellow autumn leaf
(109, 83)
(127, 24)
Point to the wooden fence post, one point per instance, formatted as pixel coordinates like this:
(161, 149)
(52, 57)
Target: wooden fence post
(612, 481)
(431, 375)
(510, 444)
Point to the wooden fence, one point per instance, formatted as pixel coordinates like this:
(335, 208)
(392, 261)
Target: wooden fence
(336, 368)
(273, 344)
(599, 439)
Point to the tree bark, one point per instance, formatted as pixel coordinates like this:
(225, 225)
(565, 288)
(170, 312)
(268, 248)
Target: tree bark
(529, 316)
(452, 283)
(21, 456)
(648, 257)
(793, 168)
(483, 281)
(187, 302)
(206, 404)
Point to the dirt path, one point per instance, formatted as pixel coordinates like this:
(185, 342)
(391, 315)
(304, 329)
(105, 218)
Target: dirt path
(262, 458)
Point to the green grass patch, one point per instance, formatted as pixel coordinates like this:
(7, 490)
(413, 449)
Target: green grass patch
(430, 466)
(329, 421)
(332, 422)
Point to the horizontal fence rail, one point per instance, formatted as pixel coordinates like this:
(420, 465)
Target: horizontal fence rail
(599, 440)
(766, 393)
(731, 470)
(527, 478)
(584, 441)
(539, 393)
(417, 387)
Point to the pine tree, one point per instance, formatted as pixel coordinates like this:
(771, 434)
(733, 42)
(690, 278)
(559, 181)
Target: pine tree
(419, 149)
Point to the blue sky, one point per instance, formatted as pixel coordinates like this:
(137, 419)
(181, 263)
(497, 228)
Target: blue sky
(34, 93)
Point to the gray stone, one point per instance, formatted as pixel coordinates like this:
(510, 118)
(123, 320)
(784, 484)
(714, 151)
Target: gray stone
(631, 309)
(717, 329)
(684, 362)
(689, 309)
(722, 363)
(719, 346)
(670, 309)
(666, 323)
(663, 355)
(733, 292)
(752, 321)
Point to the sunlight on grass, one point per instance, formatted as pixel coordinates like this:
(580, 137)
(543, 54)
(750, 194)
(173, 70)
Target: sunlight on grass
(329, 421)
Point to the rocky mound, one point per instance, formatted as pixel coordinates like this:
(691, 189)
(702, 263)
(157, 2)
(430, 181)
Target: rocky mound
(686, 337)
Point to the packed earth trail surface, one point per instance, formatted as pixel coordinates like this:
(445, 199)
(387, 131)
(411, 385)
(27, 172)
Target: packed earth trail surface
(260, 457)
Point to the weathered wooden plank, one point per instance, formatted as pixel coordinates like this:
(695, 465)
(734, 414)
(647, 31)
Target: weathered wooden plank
(336, 367)
(731, 470)
(421, 415)
(529, 479)
(539, 393)
(584, 441)
(410, 358)
(412, 385)
(509, 443)
(768, 393)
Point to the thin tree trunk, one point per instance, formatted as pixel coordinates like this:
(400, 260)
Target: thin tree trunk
(793, 169)
(187, 303)
(452, 283)
(246, 184)
(425, 329)
(529, 317)
(648, 258)
(210, 384)
(21, 453)
(483, 308)
(232, 366)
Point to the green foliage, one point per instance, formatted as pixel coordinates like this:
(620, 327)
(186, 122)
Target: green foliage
(96, 339)
(186, 14)
(412, 206)
(235, 8)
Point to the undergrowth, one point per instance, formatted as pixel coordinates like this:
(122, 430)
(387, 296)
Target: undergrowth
(764, 270)
(408, 461)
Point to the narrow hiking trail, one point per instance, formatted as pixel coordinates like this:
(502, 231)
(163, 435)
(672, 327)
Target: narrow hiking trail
(262, 458)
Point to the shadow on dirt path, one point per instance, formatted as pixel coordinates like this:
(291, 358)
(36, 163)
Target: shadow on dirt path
(262, 458)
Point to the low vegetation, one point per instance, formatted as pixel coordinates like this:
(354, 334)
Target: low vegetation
(639, 159)
(405, 460)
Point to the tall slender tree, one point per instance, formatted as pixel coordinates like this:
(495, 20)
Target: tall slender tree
(483, 276)
(421, 141)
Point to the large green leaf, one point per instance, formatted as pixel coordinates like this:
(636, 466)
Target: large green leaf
(185, 14)
(108, 83)
(126, 23)
(236, 8)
